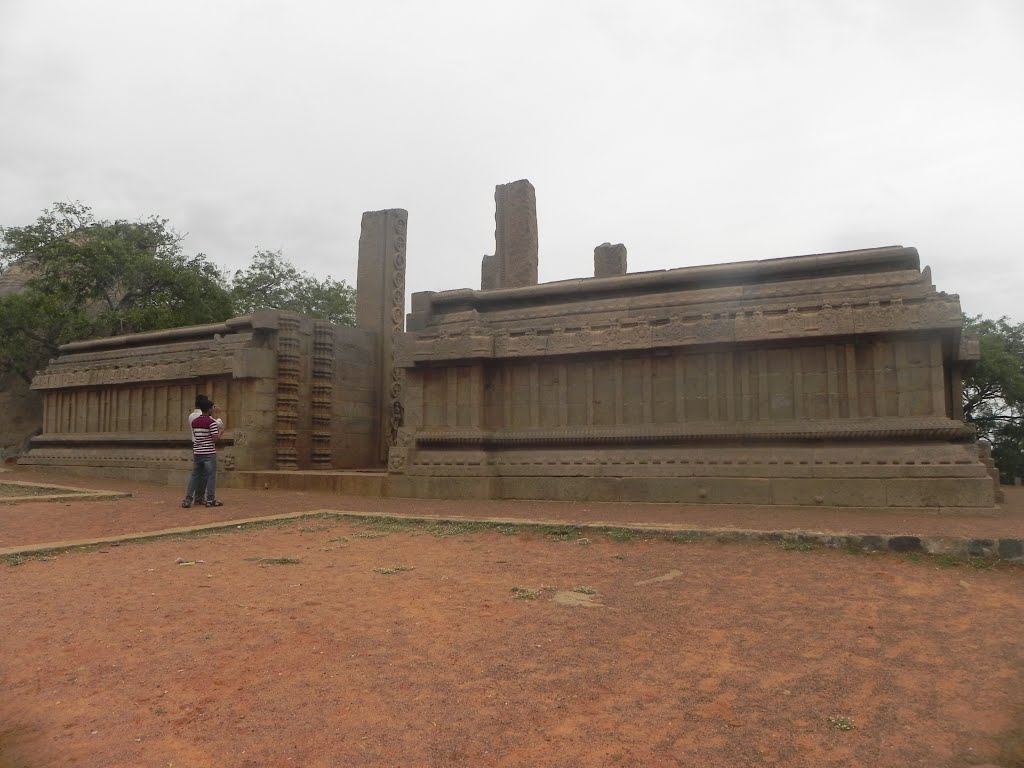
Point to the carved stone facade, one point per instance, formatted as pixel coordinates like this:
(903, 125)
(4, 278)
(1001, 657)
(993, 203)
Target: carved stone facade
(830, 379)
(295, 394)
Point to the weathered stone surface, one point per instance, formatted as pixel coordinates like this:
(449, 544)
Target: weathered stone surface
(609, 260)
(515, 234)
(380, 310)
(1011, 549)
(295, 393)
(488, 273)
(904, 544)
(814, 380)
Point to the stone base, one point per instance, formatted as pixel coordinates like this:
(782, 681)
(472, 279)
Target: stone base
(893, 494)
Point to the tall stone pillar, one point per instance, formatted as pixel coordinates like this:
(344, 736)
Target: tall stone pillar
(380, 308)
(515, 234)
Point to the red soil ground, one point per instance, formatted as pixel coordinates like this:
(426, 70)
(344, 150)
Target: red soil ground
(154, 508)
(691, 654)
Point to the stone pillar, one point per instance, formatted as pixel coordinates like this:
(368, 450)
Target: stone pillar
(515, 234)
(380, 308)
(488, 273)
(609, 260)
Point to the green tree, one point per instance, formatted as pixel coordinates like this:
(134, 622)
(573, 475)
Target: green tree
(91, 279)
(994, 391)
(272, 282)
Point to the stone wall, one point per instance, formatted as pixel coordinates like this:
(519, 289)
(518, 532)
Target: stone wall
(826, 379)
(295, 393)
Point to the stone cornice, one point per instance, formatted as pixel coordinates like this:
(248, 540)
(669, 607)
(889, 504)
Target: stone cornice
(744, 325)
(826, 429)
(867, 261)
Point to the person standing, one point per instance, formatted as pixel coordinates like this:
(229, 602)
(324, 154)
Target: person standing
(200, 490)
(205, 432)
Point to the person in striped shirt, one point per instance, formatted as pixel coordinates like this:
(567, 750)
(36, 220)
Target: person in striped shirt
(205, 433)
(200, 490)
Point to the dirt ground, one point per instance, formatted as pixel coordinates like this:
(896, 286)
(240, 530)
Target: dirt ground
(153, 508)
(686, 654)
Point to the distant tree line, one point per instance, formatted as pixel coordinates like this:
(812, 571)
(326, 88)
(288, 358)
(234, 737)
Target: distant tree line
(994, 392)
(88, 278)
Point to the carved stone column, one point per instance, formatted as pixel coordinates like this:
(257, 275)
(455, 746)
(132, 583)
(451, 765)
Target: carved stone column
(380, 308)
(515, 234)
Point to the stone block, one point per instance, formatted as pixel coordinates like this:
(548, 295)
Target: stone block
(488, 273)
(609, 260)
(939, 492)
(836, 492)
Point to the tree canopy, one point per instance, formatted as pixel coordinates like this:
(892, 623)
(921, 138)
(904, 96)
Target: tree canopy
(994, 391)
(92, 278)
(272, 282)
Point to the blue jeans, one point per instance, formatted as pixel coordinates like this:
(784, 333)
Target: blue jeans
(204, 474)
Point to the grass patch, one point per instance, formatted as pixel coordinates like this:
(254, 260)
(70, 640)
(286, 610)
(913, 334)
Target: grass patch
(367, 535)
(508, 530)
(523, 593)
(798, 546)
(621, 557)
(620, 535)
(681, 538)
(563, 533)
(13, 560)
(316, 528)
(453, 528)
(585, 590)
(388, 571)
(854, 548)
(842, 723)
(337, 539)
(278, 560)
(956, 561)
(438, 528)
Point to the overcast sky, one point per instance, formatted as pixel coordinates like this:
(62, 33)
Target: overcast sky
(693, 131)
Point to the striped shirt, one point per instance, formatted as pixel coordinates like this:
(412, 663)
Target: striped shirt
(205, 432)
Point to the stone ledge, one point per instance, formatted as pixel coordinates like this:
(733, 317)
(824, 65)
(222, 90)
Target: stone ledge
(831, 429)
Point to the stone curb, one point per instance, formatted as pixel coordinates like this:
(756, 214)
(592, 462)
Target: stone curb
(1009, 549)
(73, 493)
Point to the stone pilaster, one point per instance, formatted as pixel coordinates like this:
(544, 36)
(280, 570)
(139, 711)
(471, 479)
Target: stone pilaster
(322, 393)
(288, 374)
(380, 308)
